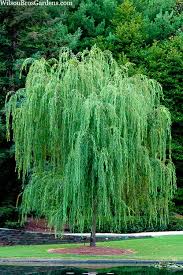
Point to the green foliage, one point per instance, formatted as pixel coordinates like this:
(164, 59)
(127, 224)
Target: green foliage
(132, 28)
(150, 8)
(175, 223)
(133, 225)
(128, 24)
(93, 18)
(12, 224)
(127, 30)
(179, 196)
(7, 214)
(163, 26)
(179, 6)
(93, 138)
(162, 19)
(46, 40)
(163, 61)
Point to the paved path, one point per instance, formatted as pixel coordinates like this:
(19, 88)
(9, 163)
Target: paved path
(42, 261)
(135, 235)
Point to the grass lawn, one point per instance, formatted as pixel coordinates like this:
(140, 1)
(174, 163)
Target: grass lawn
(158, 248)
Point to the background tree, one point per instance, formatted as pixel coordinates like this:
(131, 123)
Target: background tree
(97, 143)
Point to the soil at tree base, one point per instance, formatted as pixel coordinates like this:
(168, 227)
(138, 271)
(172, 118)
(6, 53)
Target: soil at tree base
(87, 250)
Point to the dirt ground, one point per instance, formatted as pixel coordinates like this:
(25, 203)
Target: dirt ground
(87, 250)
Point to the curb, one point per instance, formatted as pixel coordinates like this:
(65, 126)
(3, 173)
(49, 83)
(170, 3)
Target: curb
(84, 262)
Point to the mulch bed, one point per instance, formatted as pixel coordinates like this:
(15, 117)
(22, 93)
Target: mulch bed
(87, 250)
(36, 225)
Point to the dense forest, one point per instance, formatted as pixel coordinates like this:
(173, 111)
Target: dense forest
(145, 35)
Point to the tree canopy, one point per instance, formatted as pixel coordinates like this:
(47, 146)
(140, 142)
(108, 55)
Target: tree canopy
(93, 140)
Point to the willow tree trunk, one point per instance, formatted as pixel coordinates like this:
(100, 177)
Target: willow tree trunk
(94, 223)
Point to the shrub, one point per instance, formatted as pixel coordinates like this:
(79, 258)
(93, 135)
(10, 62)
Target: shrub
(8, 213)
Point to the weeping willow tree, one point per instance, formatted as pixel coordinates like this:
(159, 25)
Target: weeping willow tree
(95, 142)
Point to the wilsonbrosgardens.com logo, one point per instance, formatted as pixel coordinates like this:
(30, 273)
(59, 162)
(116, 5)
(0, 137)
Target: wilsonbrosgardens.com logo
(35, 3)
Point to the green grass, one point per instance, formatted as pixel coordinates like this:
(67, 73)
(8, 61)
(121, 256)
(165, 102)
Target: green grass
(158, 248)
